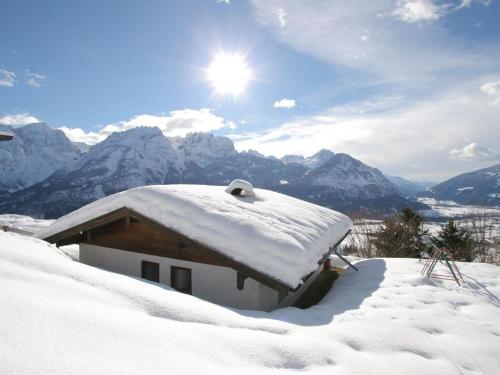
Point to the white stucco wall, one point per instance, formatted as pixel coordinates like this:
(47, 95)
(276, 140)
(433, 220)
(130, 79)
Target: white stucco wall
(213, 283)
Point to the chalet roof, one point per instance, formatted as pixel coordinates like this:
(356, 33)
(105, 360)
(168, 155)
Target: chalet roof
(5, 136)
(277, 235)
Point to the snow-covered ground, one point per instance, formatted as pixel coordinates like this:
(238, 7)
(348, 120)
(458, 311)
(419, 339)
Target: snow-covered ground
(58, 316)
(442, 211)
(439, 213)
(450, 209)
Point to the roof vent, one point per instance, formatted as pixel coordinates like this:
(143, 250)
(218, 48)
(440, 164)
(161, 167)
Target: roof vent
(240, 188)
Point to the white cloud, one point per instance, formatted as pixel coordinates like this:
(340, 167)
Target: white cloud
(7, 78)
(388, 46)
(411, 140)
(176, 123)
(281, 13)
(474, 152)
(18, 119)
(364, 35)
(493, 90)
(284, 103)
(223, 1)
(419, 10)
(429, 10)
(80, 135)
(34, 80)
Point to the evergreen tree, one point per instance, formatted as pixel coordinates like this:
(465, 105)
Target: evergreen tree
(400, 236)
(457, 240)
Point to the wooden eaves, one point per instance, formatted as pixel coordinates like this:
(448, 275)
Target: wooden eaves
(6, 136)
(82, 232)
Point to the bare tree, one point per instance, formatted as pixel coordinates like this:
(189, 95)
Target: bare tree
(360, 241)
(487, 244)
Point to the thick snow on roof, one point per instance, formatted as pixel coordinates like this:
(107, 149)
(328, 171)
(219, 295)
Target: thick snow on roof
(5, 135)
(275, 234)
(23, 222)
(58, 316)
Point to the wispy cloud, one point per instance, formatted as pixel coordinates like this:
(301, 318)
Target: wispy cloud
(34, 80)
(18, 119)
(429, 10)
(281, 14)
(379, 132)
(419, 10)
(284, 103)
(388, 47)
(176, 123)
(493, 90)
(474, 152)
(366, 36)
(7, 78)
(223, 1)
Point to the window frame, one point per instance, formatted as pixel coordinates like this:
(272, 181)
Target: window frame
(190, 278)
(155, 270)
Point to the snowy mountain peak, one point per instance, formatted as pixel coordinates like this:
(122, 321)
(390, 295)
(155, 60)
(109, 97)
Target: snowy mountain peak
(254, 153)
(137, 156)
(204, 148)
(351, 176)
(36, 152)
(319, 158)
(313, 161)
(131, 136)
(293, 159)
(144, 156)
(35, 126)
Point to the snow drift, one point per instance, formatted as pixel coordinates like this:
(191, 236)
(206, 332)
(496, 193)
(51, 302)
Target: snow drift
(58, 316)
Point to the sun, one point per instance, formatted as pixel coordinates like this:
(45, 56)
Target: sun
(229, 74)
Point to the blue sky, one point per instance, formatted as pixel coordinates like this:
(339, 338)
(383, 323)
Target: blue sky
(409, 86)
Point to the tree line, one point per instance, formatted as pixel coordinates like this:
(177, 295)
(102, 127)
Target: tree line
(403, 235)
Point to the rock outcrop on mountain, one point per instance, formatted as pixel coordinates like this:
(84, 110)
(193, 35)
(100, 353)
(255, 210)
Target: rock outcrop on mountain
(144, 156)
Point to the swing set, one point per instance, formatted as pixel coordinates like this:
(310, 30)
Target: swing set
(444, 257)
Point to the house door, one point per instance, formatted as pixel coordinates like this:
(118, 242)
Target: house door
(180, 279)
(150, 271)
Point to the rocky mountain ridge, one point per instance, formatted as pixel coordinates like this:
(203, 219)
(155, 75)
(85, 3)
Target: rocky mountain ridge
(35, 152)
(144, 156)
(481, 187)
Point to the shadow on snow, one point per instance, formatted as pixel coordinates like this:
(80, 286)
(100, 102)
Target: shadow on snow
(347, 293)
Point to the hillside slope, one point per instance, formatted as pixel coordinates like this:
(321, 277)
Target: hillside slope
(481, 187)
(59, 316)
(409, 188)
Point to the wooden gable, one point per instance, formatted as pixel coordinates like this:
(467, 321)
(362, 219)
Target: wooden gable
(128, 230)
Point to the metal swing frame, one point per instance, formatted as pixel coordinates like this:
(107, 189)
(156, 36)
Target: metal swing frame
(442, 255)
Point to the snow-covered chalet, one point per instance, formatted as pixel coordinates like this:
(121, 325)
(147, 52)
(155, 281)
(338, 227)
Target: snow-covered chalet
(234, 246)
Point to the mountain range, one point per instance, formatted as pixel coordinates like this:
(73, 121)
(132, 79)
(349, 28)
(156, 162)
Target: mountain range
(48, 176)
(409, 188)
(35, 152)
(481, 187)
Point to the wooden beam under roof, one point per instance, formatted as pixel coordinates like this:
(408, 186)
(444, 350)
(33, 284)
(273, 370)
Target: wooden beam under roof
(80, 233)
(6, 136)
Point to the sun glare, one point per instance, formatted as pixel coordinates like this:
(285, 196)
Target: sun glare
(229, 74)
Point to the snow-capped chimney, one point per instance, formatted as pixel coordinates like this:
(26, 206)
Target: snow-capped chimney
(240, 188)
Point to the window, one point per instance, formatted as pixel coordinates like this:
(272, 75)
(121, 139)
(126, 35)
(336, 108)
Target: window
(180, 279)
(150, 271)
(240, 281)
